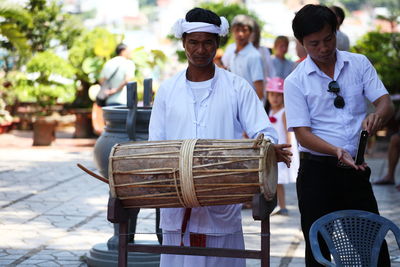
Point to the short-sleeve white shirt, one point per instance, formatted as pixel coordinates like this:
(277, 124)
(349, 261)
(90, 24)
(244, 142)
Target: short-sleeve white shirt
(124, 68)
(247, 63)
(309, 104)
(228, 108)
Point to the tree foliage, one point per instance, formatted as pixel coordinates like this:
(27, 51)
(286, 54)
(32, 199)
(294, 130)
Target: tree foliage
(48, 81)
(37, 26)
(360, 4)
(383, 50)
(229, 12)
(14, 41)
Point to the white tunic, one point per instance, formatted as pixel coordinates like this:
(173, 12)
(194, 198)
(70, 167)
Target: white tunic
(228, 108)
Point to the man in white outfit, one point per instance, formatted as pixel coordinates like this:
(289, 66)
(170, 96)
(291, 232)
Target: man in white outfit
(206, 102)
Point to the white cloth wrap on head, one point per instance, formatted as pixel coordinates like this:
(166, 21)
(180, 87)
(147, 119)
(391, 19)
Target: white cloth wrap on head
(181, 26)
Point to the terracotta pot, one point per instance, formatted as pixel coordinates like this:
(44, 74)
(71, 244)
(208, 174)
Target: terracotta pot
(44, 131)
(83, 123)
(5, 127)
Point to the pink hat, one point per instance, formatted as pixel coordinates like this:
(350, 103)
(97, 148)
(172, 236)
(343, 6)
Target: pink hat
(275, 84)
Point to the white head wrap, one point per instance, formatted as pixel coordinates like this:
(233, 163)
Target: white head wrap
(181, 26)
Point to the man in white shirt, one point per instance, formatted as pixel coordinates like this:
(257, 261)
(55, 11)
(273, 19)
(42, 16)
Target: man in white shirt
(206, 102)
(325, 107)
(245, 60)
(118, 71)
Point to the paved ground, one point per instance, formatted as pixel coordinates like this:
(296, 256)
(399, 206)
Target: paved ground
(52, 214)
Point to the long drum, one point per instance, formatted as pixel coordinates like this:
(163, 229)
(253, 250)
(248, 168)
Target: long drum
(191, 173)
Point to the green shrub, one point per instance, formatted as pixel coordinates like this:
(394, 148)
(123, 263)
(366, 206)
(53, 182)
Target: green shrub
(383, 50)
(48, 81)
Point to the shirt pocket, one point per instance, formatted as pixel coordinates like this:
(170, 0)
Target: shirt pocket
(318, 102)
(354, 95)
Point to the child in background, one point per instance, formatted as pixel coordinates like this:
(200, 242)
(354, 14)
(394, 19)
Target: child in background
(277, 117)
(282, 66)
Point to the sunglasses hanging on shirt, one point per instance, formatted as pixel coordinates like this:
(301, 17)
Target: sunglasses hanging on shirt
(334, 88)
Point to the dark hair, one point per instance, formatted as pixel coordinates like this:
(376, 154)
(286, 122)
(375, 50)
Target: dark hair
(339, 13)
(198, 14)
(120, 48)
(311, 19)
(281, 38)
(203, 15)
(255, 34)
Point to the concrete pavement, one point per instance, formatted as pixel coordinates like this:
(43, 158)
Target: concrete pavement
(52, 214)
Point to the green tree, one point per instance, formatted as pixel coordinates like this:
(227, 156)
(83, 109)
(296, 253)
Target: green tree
(383, 51)
(87, 55)
(48, 81)
(37, 26)
(223, 10)
(229, 12)
(14, 41)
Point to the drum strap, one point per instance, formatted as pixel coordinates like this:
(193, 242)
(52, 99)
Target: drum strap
(196, 240)
(186, 175)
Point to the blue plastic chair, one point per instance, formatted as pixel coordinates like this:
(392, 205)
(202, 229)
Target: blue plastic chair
(353, 237)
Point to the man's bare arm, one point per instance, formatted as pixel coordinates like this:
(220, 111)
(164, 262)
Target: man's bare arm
(259, 86)
(384, 110)
(309, 140)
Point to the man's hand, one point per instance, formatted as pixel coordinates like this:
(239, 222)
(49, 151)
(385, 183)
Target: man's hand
(372, 123)
(282, 154)
(345, 158)
(111, 91)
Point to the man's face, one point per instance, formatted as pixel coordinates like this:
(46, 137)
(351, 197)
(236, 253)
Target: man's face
(241, 34)
(281, 48)
(321, 46)
(200, 48)
(126, 53)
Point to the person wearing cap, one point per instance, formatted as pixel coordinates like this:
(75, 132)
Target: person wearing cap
(206, 102)
(242, 58)
(325, 99)
(277, 117)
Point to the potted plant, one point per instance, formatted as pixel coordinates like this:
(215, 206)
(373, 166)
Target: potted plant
(6, 119)
(47, 83)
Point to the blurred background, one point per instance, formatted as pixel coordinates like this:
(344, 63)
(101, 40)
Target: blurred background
(52, 52)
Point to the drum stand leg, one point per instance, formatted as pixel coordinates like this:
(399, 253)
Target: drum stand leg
(123, 245)
(261, 211)
(117, 214)
(265, 243)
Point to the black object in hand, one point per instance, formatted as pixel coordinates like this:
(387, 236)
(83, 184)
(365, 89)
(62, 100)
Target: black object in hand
(362, 144)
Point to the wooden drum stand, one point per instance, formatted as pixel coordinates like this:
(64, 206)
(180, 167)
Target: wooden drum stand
(261, 211)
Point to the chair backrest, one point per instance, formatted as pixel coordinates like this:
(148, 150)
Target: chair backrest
(354, 237)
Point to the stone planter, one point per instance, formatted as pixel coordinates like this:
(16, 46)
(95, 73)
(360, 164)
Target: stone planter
(44, 131)
(83, 123)
(5, 127)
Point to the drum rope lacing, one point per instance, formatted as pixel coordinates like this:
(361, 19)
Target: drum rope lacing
(186, 175)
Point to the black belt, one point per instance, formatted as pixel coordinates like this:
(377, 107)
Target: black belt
(323, 159)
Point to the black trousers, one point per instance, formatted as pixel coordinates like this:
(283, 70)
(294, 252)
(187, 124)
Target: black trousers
(322, 188)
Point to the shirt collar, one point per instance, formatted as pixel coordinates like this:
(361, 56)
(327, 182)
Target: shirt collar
(246, 49)
(341, 59)
(214, 79)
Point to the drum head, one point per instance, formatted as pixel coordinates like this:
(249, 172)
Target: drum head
(269, 177)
